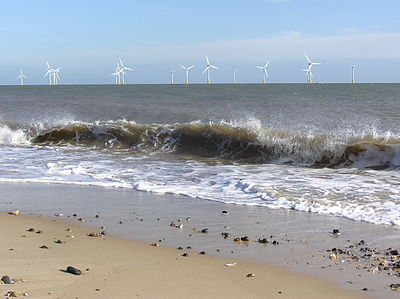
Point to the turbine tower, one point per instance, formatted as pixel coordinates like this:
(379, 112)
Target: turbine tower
(234, 76)
(55, 76)
(264, 72)
(117, 75)
(353, 74)
(310, 65)
(21, 77)
(208, 70)
(172, 76)
(122, 68)
(187, 72)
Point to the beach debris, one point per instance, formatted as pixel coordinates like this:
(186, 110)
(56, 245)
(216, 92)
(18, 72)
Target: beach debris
(75, 215)
(70, 236)
(58, 241)
(364, 289)
(335, 232)
(73, 270)
(25, 294)
(103, 227)
(39, 231)
(7, 279)
(394, 252)
(395, 287)
(44, 247)
(97, 216)
(11, 294)
(188, 247)
(236, 240)
(202, 252)
(227, 227)
(245, 239)
(194, 229)
(250, 275)
(225, 213)
(204, 230)
(14, 212)
(154, 244)
(226, 235)
(81, 219)
(264, 241)
(274, 242)
(333, 256)
(58, 214)
(30, 230)
(180, 248)
(68, 230)
(185, 254)
(180, 225)
(231, 265)
(188, 219)
(95, 234)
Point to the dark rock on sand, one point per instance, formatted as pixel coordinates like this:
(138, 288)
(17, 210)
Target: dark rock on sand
(30, 230)
(204, 230)
(336, 232)
(264, 240)
(245, 239)
(394, 252)
(226, 235)
(44, 247)
(7, 279)
(73, 270)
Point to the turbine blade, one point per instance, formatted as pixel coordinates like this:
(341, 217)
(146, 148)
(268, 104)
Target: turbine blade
(120, 61)
(308, 59)
(183, 67)
(208, 62)
(48, 65)
(205, 70)
(266, 64)
(260, 67)
(214, 67)
(190, 67)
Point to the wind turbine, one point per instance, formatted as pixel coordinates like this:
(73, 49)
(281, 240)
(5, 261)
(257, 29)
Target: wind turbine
(122, 69)
(55, 75)
(172, 76)
(21, 77)
(353, 74)
(50, 72)
(208, 70)
(187, 69)
(310, 65)
(264, 72)
(117, 75)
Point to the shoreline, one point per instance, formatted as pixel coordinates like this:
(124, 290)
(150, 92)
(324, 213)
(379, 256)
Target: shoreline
(147, 218)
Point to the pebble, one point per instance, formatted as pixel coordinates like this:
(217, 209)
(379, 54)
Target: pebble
(226, 235)
(264, 241)
(44, 247)
(30, 230)
(58, 241)
(73, 270)
(336, 232)
(236, 240)
(11, 294)
(245, 239)
(58, 214)
(14, 212)
(7, 279)
(39, 231)
(185, 254)
(97, 216)
(81, 220)
(395, 287)
(225, 213)
(204, 230)
(202, 252)
(95, 234)
(250, 275)
(154, 244)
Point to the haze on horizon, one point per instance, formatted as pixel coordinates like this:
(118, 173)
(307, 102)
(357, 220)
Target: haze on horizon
(154, 37)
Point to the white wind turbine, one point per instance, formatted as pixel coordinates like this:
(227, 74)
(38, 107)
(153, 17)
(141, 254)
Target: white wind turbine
(353, 74)
(187, 69)
(55, 76)
(208, 70)
(172, 76)
(310, 65)
(49, 73)
(122, 69)
(21, 77)
(117, 75)
(264, 72)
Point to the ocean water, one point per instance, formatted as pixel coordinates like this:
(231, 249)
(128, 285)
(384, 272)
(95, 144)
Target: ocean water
(322, 148)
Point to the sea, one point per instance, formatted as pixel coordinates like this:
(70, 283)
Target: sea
(319, 148)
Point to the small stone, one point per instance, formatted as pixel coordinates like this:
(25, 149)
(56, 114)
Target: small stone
(204, 230)
(14, 212)
(73, 270)
(333, 256)
(202, 252)
(188, 247)
(11, 294)
(97, 216)
(95, 234)
(225, 213)
(395, 287)
(103, 227)
(74, 215)
(120, 222)
(394, 252)
(180, 248)
(154, 244)
(25, 294)
(185, 254)
(69, 230)
(226, 235)
(275, 242)
(81, 220)
(7, 279)
(250, 275)
(58, 241)
(44, 247)
(362, 242)
(30, 230)
(236, 240)
(364, 289)
(58, 214)
(245, 239)
(97, 290)
(264, 240)
(39, 232)
(336, 232)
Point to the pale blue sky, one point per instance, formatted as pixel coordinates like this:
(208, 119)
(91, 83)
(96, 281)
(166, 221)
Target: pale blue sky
(86, 38)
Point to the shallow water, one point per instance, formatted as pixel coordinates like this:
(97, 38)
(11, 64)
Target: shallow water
(332, 148)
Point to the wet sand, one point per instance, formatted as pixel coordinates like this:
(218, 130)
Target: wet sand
(302, 238)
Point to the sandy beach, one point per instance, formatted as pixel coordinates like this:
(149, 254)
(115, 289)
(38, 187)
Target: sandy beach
(123, 264)
(118, 268)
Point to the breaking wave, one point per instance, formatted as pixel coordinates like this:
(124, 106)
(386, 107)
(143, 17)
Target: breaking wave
(246, 144)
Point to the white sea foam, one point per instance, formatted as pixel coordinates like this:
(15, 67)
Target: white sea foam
(12, 137)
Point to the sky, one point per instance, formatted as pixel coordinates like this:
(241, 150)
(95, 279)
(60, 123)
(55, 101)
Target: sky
(86, 39)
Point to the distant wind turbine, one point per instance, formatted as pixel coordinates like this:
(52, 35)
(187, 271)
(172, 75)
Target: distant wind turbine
(55, 75)
(308, 70)
(264, 72)
(172, 76)
(49, 73)
(122, 69)
(208, 70)
(187, 69)
(117, 75)
(353, 74)
(21, 77)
